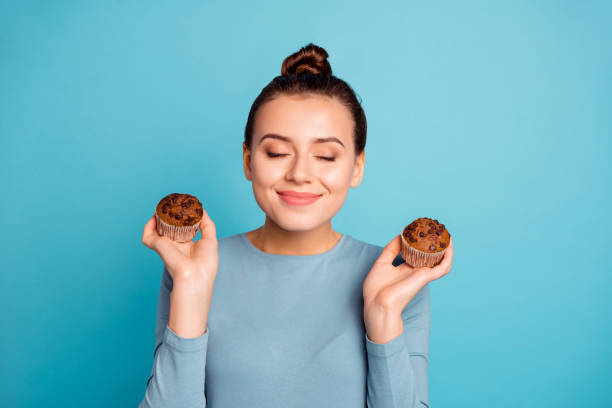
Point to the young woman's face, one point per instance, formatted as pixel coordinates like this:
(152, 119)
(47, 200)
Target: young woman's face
(304, 145)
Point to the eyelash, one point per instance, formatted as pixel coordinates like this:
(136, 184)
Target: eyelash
(280, 155)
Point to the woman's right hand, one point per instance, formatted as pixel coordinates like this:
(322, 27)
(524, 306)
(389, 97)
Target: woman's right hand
(189, 262)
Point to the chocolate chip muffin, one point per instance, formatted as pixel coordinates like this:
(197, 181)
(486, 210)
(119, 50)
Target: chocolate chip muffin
(424, 242)
(178, 216)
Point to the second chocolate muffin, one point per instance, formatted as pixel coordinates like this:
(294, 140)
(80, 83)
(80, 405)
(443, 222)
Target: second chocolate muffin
(424, 242)
(178, 216)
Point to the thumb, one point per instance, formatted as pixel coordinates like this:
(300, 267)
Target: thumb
(209, 235)
(390, 251)
(207, 226)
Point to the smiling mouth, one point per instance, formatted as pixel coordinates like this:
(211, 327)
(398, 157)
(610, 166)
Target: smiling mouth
(293, 200)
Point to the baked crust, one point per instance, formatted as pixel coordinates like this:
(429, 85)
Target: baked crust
(427, 235)
(180, 209)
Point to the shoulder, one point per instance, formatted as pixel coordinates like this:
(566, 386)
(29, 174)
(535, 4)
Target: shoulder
(229, 242)
(373, 250)
(361, 251)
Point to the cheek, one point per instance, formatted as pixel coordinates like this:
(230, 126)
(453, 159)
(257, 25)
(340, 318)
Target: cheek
(263, 172)
(336, 178)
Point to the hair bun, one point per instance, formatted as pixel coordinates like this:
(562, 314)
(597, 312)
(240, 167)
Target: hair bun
(310, 59)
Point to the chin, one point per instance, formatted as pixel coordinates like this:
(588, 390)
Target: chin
(301, 223)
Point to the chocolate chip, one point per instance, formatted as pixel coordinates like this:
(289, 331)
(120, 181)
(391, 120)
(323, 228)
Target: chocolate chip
(421, 234)
(164, 209)
(199, 211)
(432, 247)
(438, 233)
(411, 238)
(182, 212)
(442, 245)
(178, 216)
(187, 222)
(171, 214)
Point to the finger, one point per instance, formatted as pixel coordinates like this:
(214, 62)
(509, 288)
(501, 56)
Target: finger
(207, 226)
(444, 266)
(448, 255)
(404, 290)
(149, 232)
(159, 243)
(390, 251)
(166, 248)
(209, 237)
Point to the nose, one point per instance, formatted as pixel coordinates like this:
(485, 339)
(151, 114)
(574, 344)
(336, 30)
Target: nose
(300, 171)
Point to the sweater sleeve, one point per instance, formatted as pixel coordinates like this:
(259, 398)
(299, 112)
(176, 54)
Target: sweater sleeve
(178, 373)
(397, 370)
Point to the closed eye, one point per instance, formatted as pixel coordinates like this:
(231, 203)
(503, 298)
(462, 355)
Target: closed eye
(284, 154)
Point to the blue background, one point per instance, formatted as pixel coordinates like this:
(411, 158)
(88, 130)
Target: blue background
(493, 117)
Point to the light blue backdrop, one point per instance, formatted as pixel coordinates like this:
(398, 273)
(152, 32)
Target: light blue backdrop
(493, 117)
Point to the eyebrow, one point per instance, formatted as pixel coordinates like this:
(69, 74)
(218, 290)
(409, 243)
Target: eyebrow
(286, 139)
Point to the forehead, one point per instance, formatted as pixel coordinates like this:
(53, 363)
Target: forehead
(303, 118)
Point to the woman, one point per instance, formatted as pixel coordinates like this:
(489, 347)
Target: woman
(300, 315)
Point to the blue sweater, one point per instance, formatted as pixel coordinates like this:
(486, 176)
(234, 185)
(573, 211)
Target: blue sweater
(288, 331)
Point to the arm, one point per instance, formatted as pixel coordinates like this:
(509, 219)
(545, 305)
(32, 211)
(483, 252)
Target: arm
(178, 373)
(397, 370)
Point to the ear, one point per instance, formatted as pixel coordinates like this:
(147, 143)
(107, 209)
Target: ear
(358, 170)
(246, 161)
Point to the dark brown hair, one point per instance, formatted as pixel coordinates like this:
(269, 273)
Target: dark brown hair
(307, 72)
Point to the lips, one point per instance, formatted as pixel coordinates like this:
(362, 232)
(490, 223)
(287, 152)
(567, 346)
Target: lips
(298, 198)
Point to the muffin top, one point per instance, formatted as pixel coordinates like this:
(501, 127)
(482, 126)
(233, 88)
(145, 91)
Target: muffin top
(180, 209)
(426, 235)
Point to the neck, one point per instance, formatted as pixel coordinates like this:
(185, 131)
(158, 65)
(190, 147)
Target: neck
(273, 239)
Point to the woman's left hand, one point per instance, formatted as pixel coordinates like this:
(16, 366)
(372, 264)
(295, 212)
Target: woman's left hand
(388, 289)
